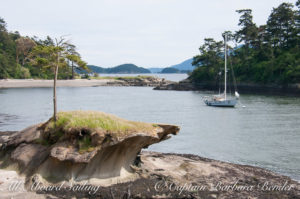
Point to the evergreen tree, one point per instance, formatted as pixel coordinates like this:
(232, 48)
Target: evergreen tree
(281, 26)
(248, 33)
(266, 54)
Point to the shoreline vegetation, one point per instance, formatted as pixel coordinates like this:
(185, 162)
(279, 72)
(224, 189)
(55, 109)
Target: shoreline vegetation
(262, 55)
(246, 88)
(264, 59)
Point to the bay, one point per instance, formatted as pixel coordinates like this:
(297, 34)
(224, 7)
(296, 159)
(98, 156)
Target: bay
(266, 133)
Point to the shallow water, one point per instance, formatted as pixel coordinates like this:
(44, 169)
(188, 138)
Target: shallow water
(266, 133)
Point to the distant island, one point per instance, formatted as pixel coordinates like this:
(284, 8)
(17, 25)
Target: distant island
(184, 67)
(121, 69)
(170, 70)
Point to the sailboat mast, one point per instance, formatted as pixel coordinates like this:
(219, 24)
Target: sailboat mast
(225, 72)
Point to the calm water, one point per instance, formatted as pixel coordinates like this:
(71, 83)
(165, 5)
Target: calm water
(266, 133)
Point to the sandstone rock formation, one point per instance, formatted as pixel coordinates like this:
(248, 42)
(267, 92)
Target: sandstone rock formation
(81, 146)
(174, 176)
(184, 85)
(149, 81)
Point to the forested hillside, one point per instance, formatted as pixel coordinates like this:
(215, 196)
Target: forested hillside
(127, 68)
(120, 69)
(266, 54)
(16, 57)
(170, 70)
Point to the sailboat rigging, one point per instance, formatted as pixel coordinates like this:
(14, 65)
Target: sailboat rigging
(222, 100)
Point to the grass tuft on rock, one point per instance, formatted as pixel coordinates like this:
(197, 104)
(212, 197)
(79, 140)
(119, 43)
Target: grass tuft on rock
(89, 130)
(92, 121)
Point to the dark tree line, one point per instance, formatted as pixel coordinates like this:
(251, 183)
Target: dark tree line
(266, 54)
(17, 54)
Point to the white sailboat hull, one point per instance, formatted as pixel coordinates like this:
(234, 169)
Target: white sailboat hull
(222, 103)
(221, 100)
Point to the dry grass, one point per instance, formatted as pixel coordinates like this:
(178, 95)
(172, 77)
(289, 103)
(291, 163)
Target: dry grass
(98, 121)
(81, 125)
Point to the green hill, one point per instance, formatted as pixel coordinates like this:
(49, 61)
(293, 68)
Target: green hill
(170, 70)
(97, 69)
(127, 68)
(121, 69)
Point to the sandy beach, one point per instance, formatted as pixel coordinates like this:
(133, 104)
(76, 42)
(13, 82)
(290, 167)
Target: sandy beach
(30, 83)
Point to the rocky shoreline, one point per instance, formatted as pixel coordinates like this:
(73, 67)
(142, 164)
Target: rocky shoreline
(158, 175)
(149, 81)
(165, 175)
(187, 85)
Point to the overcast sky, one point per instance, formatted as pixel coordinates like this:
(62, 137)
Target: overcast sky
(148, 33)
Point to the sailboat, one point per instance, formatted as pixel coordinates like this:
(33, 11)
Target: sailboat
(222, 100)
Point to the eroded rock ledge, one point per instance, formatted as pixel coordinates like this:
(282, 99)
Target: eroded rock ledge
(83, 146)
(190, 176)
(162, 175)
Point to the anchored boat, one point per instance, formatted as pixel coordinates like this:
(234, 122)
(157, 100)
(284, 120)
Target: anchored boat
(222, 100)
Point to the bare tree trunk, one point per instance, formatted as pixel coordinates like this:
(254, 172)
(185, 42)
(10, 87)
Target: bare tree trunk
(72, 70)
(54, 90)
